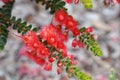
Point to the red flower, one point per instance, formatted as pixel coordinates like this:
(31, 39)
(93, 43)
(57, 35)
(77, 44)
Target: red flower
(48, 67)
(59, 70)
(60, 45)
(76, 32)
(60, 16)
(35, 45)
(68, 1)
(6, 1)
(89, 29)
(39, 61)
(74, 43)
(70, 23)
(51, 59)
(53, 36)
(63, 19)
(42, 52)
(31, 40)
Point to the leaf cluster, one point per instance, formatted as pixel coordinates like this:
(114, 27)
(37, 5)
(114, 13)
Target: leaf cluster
(87, 4)
(90, 42)
(5, 14)
(53, 5)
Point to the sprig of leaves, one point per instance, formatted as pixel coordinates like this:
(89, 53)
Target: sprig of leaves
(53, 5)
(77, 73)
(6, 20)
(90, 42)
(5, 14)
(20, 26)
(71, 69)
(3, 36)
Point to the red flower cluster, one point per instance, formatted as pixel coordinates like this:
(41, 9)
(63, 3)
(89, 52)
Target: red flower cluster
(54, 37)
(62, 18)
(37, 49)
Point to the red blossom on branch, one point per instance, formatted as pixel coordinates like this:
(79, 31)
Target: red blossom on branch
(54, 37)
(36, 49)
(51, 59)
(62, 18)
(31, 40)
(35, 45)
(48, 45)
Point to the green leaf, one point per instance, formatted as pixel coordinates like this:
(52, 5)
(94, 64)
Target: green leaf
(80, 75)
(5, 14)
(1, 48)
(53, 5)
(62, 4)
(35, 29)
(27, 28)
(3, 37)
(82, 29)
(22, 27)
(13, 19)
(15, 26)
(87, 4)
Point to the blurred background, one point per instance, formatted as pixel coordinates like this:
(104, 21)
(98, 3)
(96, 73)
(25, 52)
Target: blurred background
(106, 25)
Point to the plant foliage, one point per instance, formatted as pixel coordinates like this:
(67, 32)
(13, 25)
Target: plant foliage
(6, 21)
